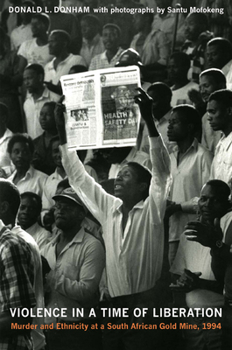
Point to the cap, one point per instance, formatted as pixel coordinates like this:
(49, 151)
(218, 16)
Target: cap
(129, 57)
(72, 195)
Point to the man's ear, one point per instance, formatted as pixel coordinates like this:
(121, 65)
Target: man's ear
(143, 186)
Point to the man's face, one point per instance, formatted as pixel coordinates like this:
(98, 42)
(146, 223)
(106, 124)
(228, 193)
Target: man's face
(207, 85)
(37, 27)
(176, 70)
(177, 129)
(126, 183)
(28, 212)
(66, 213)
(157, 101)
(21, 155)
(110, 38)
(56, 153)
(214, 58)
(138, 22)
(88, 30)
(47, 119)
(212, 204)
(55, 44)
(32, 80)
(218, 116)
(192, 28)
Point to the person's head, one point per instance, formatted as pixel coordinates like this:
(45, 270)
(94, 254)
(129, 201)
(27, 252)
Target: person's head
(90, 26)
(161, 95)
(21, 149)
(218, 53)
(40, 24)
(29, 210)
(26, 16)
(178, 67)
(56, 156)
(46, 117)
(111, 34)
(211, 80)
(195, 24)
(78, 68)
(132, 183)
(214, 200)
(4, 116)
(58, 42)
(9, 201)
(69, 210)
(184, 122)
(50, 4)
(219, 109)
(33, 77)
(129, 57)
(142, 20)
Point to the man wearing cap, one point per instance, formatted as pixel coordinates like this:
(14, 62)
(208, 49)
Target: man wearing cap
(111, 36)
(58, 43)
(77, 260)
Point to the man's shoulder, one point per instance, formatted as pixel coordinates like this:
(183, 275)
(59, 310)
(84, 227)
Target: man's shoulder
(9, 241)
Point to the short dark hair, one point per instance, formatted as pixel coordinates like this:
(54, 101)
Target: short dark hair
(223, 97)
(143, 175)
(223, 45)
(62, 34)
(78, 68)
(189, 115)
(35, 197)
(10, 193)
(216, 74)
(182, 58)
(50, 104)
(221, 187)
(93, 20)
(42, 17)
(22, 138)
(37, 68)
(162, 89)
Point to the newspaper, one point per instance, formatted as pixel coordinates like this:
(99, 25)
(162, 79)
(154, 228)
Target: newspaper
(100, 108)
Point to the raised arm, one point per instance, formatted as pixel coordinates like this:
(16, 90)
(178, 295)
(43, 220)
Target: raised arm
(93, 196)
(161, 178)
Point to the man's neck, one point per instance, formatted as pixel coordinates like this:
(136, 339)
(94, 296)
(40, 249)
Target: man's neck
(184, 145)
(62, 56)
(38, 93)
(68, 235)
(111, 53)
(42, 40)
(227, 130)
(60, 170)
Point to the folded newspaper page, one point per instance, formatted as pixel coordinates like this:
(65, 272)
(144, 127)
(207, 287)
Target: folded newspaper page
(100, 108)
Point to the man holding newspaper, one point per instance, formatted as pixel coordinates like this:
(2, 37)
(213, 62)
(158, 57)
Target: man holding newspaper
(132, 223)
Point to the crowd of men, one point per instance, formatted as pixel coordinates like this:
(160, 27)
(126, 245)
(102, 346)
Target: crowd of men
(143, 227)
